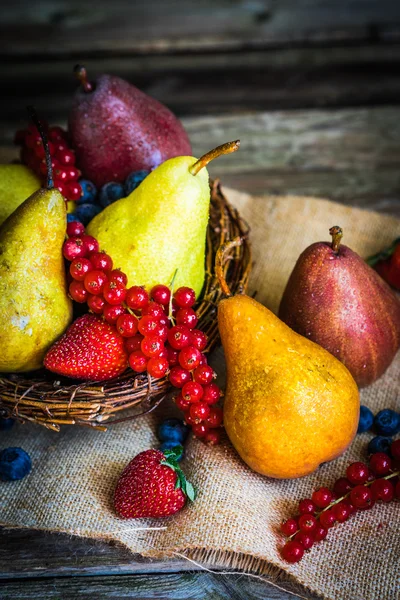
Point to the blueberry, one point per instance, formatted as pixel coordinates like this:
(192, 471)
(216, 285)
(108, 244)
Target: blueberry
(6, 424)
(134, 180)
(89, 192)
(15, 463)
(86, 212)
(110, 192)
(366, 419)
(172, 430)
(387, 422)
(168, 445)
(72, 217)
(379, 444)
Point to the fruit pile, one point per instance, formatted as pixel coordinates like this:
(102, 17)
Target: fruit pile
(158, 330)
(359, 490)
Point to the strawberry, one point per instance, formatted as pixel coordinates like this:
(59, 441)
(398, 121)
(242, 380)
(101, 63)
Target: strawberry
(152, 485)
(89, 349)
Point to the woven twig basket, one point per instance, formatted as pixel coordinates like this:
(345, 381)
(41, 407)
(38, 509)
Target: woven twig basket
(51, 402)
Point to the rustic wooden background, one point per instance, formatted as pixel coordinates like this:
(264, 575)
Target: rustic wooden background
(312, 88)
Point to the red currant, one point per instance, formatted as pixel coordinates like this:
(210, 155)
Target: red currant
(96, 304)
(186, 316)
(322, 497)
(307, 507)
(148, 325)
(327, 518)
(357, 473)
(307, 523)
(179, 337)
(112, 313)
(200, 430)
(199, 411)
(74, 247)
(192, 391)
(204, 374)
(320, 533)
(380, 463)
(117, 276)
(138, 361)
(361, 496)
(57, 134)
(62, 188)
(92, 245)
(215, 417)
(172, 356)
(350, 506)
(382, 489)
(136, 297)
(178, 377)
(101, 261)
(203, 360)
(66, 157)
(133, 343)
(73, 173)
(60, 175)
(127, 325)
(95, 281)
(78, 291)
(161, 331)
(213, 437)
(395, 449)
(198, 339)
(74, 190)
(157, 367)
(189, 358)
(75, 229)
(114, 293)
(181, 403)
(154, 310)
(151, 346)
(212, 393)
(342, 486)
(292, 552)
(185, 297)
(305, 539)
(341, 512)
(289, 527)
(161, 294)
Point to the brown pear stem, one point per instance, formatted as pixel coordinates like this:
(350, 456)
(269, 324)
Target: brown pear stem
(227, 148)
(337, 234)
(81, 75)
(220, 262)
(39, 126)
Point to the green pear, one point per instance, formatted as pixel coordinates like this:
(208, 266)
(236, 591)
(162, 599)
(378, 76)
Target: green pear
(17, 182)
(160, 228)
(34, 306)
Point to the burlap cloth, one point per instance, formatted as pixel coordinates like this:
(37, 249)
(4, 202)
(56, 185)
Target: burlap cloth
(234, 522)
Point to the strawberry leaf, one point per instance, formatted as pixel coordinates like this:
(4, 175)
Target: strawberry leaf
(181, 481)
(383, 254)
(190, 491)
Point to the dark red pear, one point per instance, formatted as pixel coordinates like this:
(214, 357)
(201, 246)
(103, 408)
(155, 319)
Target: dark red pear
(336, 300)
(116, 129)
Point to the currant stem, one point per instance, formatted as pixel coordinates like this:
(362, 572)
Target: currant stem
(220, 262)
(337, 234)
(203, 161)
(39, 126)
(81, 75)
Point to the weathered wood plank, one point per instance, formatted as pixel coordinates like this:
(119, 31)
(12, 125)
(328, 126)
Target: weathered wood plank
(181, 25)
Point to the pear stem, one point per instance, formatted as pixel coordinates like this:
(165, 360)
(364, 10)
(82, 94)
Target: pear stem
(220, 263)
(337, 234)
(39, 126)
(227, 148)
(81, 75)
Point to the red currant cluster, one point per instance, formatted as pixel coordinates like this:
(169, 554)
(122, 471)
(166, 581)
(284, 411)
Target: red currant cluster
(65, 173)
(359, 490)
(159, 329)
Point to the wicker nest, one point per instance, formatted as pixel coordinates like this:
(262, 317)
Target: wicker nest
(51, 402)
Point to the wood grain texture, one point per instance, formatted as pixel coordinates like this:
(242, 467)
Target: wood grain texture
(183, 25)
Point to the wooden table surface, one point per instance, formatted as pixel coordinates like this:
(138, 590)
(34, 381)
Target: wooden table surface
(312, 90)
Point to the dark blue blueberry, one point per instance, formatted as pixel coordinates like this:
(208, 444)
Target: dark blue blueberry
(110, 192)
(6, 424)
(134, 180)
(168, 445)
(379, 444)
(89, 192)
(172, 430)
(387, 422)
(366, 419)
(86, 212)
(72, 217)
(15, 463)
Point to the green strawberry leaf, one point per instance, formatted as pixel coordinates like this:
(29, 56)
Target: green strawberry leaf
(190, 491)
(384, 254)
(173, 453)
(181, 481)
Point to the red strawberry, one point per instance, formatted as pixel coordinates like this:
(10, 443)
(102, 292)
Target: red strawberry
(152, 485)
(89, 349)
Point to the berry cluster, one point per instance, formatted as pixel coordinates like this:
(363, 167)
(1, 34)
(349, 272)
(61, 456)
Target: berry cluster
(159, 329)
(359, 490)
(65, 172)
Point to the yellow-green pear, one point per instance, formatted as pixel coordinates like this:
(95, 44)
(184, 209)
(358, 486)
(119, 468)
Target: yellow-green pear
(34, 306)
(17, 183)
(160, 228)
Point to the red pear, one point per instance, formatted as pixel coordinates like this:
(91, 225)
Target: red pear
(336, 300)
(116, 129)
